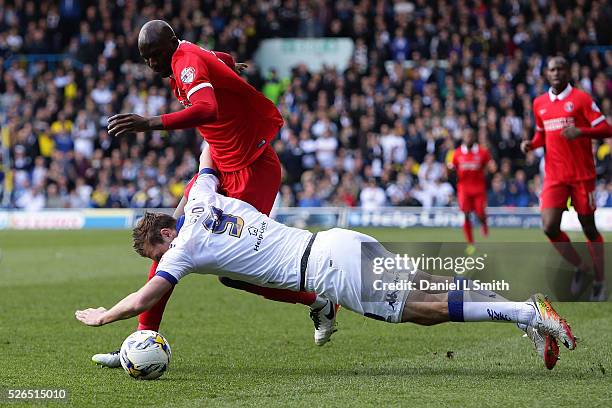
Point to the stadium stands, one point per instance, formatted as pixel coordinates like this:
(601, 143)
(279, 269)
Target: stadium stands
(377, 134)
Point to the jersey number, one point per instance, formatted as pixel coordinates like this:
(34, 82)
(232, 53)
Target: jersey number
(217, 222)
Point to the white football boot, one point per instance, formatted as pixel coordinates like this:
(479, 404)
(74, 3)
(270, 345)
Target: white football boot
(324, 320)
(110, 360)
(548, 322)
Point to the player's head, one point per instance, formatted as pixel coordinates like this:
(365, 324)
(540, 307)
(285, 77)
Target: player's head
(469, 137)
(156, 44)
(557, 73)
(153, 234)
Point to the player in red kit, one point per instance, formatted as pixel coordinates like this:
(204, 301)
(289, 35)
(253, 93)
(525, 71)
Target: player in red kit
(237, 122)
(566, 120)
(470, 161)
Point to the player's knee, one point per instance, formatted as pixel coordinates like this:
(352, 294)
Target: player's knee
(551, 229)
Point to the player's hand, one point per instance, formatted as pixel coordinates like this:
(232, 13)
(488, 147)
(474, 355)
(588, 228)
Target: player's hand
(91, 317)
(127, 123)
(570, 132)
(239, 67)
(526, 146)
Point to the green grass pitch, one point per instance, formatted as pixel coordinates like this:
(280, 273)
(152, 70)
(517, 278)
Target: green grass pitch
(235, 349)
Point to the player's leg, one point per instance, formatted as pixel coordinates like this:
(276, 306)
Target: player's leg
(465, 205)
(149, 320)
(553, 203)
(542, 323)
(258, 185)
(584, 203)
(481, 213)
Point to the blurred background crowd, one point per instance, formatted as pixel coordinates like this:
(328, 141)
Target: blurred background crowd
(379, 133)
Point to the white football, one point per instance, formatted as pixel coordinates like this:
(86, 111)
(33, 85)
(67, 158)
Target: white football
(145, 355)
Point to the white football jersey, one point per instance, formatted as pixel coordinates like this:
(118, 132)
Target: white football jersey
(228, 237)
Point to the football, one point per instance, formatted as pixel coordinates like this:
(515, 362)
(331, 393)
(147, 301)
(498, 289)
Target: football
(145, 355)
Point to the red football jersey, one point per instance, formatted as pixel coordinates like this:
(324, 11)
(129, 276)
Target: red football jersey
(470, 165)
(567, 160)
(247, 120)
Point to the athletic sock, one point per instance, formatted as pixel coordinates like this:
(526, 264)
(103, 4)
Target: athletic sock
(596, 249)
(564, 246)
(474, 307)
(151, 319)
(484, 227)
(467, 230)
(279, 295)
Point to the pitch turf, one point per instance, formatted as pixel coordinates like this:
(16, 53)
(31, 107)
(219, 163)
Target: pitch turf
(232, 348)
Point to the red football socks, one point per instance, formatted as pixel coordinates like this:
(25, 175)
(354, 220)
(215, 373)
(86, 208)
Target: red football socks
(151, 319)
(279, 295)
(563, 245)
(596, 249)
(467, 230)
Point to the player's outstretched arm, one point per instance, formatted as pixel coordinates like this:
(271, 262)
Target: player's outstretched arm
(203, 110)
(132, 305)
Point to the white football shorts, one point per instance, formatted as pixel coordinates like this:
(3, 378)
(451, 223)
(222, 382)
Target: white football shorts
(340, 269)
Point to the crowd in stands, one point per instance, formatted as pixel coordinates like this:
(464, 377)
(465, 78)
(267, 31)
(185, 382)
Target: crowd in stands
(379, 133)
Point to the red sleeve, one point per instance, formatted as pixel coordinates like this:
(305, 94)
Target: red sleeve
(539, 125)
(601, 131)
(191, 74)
(538, 140)
(202, 111)
(226, 58)
(591, 111)
(486, 157)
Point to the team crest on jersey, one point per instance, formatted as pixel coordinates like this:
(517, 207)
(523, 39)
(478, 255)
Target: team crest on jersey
(569, 106)
(187, 75)
(542, 111)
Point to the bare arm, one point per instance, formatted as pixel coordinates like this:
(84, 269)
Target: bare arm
(206, 160)
(132, 305)
(180, 208)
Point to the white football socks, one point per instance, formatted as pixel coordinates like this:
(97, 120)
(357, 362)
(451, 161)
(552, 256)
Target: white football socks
(479, 308)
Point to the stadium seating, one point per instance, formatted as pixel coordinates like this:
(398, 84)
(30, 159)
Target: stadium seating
(378, 133)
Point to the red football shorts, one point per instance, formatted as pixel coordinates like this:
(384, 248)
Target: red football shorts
(257, 184)
(556, 193)
(472, 202)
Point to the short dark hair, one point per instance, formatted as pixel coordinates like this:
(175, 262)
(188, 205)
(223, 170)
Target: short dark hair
(147, 230)
(559, 60)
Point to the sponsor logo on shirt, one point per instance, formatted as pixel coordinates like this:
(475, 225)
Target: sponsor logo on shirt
(551, 125)
(260, 236)
(187, 75)
(569, 106)
(253, 231)
(469, 165)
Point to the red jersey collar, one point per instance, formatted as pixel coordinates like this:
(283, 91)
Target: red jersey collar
(562, 95)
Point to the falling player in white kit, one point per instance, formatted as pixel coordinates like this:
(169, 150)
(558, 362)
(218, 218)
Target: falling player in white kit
(228, 237)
